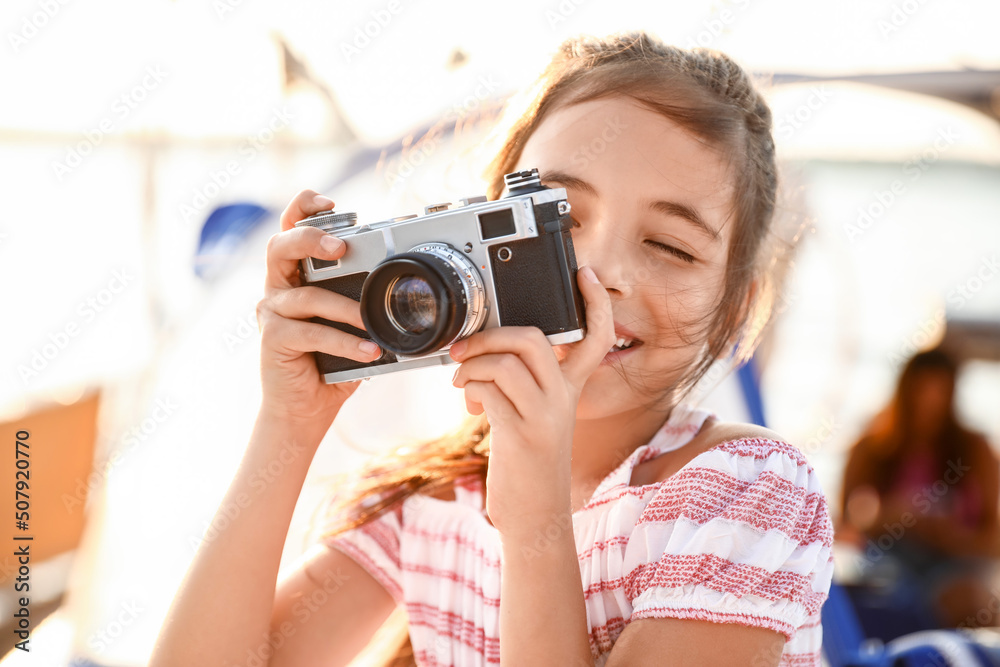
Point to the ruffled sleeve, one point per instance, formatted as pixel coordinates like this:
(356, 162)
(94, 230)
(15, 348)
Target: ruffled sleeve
(374, 546)
(742, 534)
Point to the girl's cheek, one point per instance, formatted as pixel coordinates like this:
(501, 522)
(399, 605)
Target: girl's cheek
(681, 311)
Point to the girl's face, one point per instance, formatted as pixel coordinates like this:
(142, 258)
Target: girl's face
(652, 205)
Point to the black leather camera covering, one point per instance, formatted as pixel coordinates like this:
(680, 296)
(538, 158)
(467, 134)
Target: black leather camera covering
(349, 286)
(537, 285)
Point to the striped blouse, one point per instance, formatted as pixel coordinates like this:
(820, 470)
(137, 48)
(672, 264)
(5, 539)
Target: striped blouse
(741, 534)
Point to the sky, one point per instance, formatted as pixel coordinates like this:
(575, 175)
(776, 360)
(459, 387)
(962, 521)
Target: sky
(68, 65)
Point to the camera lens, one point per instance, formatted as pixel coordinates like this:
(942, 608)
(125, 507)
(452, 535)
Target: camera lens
(418, 302)
(410, 304)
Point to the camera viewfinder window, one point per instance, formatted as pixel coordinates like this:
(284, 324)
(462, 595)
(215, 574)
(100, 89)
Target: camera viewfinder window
(324, 263)
(497, 223)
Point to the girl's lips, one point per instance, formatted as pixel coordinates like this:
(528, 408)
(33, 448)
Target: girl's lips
(618, 355)
(622, 333)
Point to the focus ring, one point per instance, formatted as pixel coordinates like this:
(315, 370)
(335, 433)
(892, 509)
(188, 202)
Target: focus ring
(448, 292)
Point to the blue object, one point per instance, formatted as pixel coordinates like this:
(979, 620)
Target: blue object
(223, 234)
(842, 633)
(750, 383)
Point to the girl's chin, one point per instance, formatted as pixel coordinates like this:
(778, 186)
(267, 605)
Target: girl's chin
(611, 390)
(605, 393)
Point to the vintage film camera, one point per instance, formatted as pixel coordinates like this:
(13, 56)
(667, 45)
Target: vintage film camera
(425, 282)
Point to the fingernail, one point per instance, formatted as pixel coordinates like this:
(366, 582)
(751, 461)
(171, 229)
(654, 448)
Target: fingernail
(368, 347)
(589, 274)
(455, 376)
(323, 202)
(458, 348)
(331, 243)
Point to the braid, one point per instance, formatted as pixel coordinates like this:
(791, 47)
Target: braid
(713, 69)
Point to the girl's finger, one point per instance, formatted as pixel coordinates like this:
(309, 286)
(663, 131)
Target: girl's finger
(304, 204)
(509, 374)
(487, 395)
(528, 343)
(285, 249)
(587, 354)
(298, 337)
(301, 303)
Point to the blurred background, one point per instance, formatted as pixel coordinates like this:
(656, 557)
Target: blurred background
(146, 150)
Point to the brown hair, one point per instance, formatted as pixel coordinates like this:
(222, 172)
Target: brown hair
(707, 94)
(884, 443)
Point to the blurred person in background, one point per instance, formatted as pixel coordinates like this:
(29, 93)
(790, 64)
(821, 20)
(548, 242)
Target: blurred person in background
(920, 497)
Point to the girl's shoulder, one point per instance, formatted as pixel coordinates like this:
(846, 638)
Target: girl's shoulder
(718, 432)
(719, 437)
(742, 478)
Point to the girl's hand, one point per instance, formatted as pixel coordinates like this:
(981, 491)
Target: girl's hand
(292, 386)
(530, 399)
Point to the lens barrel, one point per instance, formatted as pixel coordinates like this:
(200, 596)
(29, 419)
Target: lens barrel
(417, 302)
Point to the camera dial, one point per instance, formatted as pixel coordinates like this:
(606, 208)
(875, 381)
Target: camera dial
(523, 182)
(329, 221)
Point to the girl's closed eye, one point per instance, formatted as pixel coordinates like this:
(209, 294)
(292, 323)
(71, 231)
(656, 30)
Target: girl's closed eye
(661, 247)
(686, 257)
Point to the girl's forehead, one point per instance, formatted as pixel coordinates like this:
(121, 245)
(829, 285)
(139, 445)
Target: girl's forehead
(608, 127)
(616, 143)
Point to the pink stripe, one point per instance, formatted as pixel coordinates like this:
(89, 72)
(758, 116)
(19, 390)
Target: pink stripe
(757, 448)
(721, 575)
(748, 620)
(768, 503)
(619, 492)
(800, 659)
(455, 538)
(429, 571)
(762, 448)
(453, 626)
(602, 545)
(603, 637)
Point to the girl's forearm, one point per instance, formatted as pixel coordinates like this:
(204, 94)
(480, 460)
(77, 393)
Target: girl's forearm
(223, 607)
(543, 617)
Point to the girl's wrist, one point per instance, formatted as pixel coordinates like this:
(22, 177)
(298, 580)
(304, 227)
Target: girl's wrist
(278, 424)
(551, 533)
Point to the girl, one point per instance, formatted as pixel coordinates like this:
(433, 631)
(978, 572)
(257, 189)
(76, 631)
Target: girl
(589, 517)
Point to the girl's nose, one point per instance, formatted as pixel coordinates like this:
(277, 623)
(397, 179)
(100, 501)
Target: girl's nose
(600, 247)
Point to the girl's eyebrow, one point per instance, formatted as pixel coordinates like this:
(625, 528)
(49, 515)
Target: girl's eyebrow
(563, 178)
(671, 208)
(687, 213)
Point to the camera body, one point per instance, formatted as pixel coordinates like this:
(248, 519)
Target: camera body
(425, 282)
